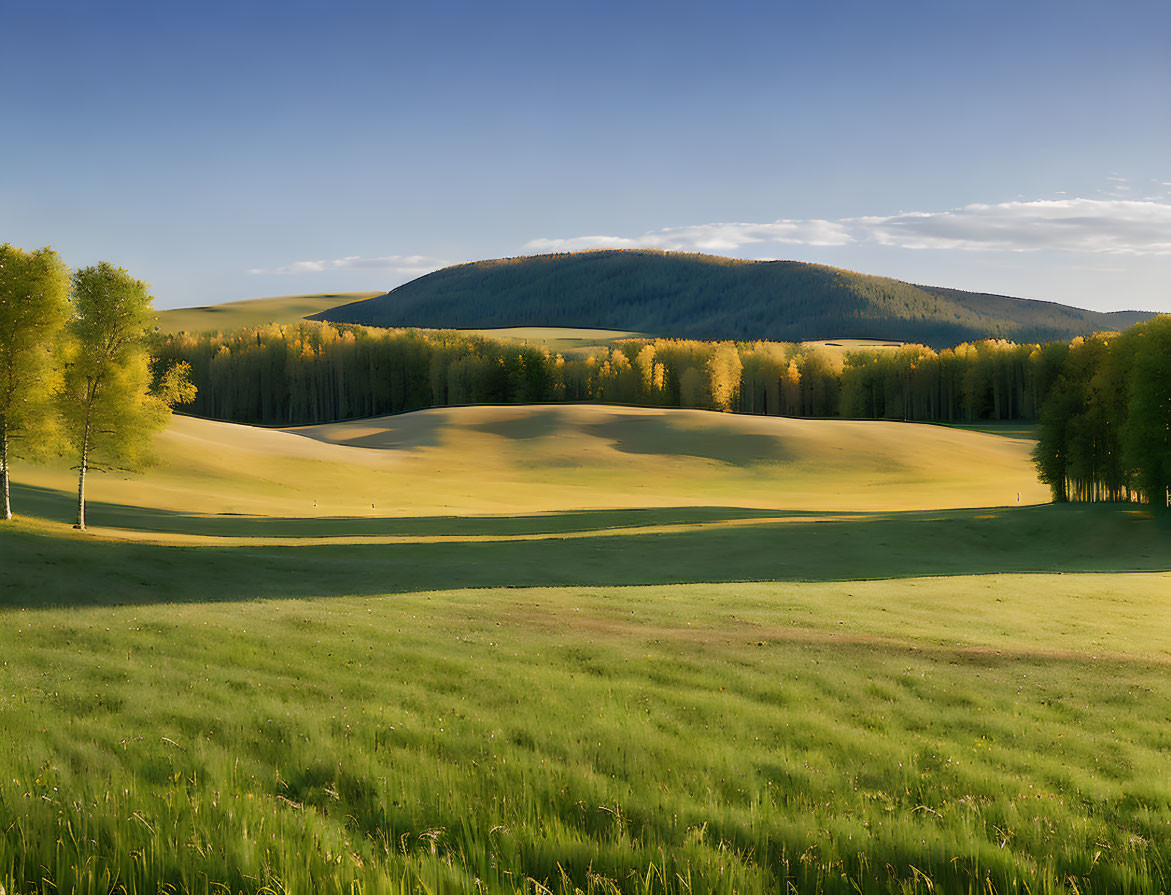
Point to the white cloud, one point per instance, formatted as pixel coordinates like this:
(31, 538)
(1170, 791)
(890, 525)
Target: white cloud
(724, 237)
(405, 265)
(1113, 226)
(1110, 226)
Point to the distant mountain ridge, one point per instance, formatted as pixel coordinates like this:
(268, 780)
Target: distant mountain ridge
(709, 297)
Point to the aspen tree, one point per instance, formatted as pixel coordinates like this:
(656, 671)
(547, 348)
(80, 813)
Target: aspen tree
(109, 408)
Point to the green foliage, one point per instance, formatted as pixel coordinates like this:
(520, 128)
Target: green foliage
(1146, 434)
(109, 410)
(1105, 430)
(708, 297)
(174, 386)
(992, 379)
(312, 373)
(34, 305)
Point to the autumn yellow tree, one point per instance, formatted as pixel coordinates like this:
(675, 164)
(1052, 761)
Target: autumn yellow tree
(724, 369)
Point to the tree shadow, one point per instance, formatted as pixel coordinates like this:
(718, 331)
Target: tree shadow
(60, 506)
(65, 569)
(390, 432)
(656, 436)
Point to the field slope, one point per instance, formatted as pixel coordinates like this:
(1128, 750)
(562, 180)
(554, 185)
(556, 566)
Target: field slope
(582, 649)
(509, 460)
(253, 312)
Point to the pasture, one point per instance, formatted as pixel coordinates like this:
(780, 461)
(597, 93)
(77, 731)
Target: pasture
(232, 315)
(557, 338)
(522, 460)
(287, 309)
(587, 649)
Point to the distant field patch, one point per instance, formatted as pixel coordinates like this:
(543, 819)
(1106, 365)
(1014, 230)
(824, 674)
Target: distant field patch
(1019, 430)
(557, 338)
(855, 344)
(254, 312)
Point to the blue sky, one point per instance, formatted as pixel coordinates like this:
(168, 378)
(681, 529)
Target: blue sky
(234, 150)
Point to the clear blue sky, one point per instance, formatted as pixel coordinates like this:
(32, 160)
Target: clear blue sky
(233, 150)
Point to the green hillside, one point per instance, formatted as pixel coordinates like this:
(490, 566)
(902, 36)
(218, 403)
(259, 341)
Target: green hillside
(704, 296)
(253, 312)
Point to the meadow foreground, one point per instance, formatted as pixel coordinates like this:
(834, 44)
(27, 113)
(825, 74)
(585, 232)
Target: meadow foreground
(674, 694)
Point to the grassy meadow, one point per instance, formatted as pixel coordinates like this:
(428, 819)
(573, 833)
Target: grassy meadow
(589, 649)
(513, 460)
(558, 338)
(254, 311)
(287, 309)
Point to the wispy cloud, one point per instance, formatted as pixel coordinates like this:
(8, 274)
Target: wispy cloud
(1113, 226)
(1110, 226)
(404, 265)
(710, 237)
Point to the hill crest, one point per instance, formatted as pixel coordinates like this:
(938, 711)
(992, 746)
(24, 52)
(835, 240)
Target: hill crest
(690, 295)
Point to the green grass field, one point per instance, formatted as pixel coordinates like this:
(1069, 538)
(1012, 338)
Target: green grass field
(583, 649)
(287, 309)
(254, 311)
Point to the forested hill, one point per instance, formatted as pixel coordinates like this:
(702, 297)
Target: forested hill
(708, 297)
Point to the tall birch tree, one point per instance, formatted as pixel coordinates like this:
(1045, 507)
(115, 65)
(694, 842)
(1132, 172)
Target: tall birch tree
(107, 403)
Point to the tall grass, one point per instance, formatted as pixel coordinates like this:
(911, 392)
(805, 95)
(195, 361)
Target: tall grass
(1002, 734)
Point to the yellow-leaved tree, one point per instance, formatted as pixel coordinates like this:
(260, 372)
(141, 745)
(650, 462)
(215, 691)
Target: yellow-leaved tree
(724, 369)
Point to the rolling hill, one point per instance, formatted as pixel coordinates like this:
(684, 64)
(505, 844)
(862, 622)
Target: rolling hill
(703, 296)
(253, 312)
(541, 459)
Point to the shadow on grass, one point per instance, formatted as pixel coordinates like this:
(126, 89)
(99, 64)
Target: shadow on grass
(655, 436)
(59, 506)
(397, 432)
(40, 569)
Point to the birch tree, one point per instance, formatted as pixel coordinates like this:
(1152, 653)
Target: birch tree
(109, 409)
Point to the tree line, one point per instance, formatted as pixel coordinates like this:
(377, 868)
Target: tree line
(312, 372)
(1105, 426)
(76, 373)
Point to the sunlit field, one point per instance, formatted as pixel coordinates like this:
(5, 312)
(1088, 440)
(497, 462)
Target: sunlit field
(524, 460)
(253, 312)
(289, 309)
(558, 338)
(805, 655)
(985, 733)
